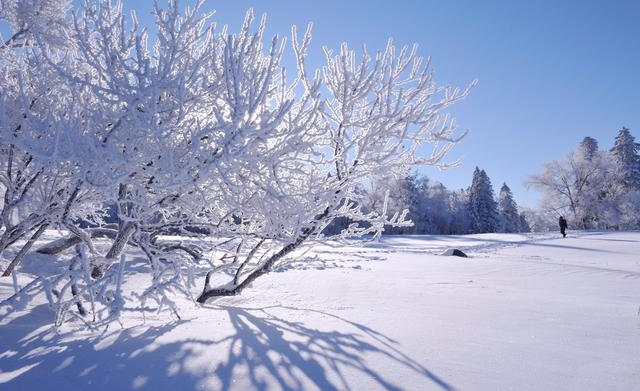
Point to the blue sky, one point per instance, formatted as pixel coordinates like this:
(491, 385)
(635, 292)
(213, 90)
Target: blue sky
(550, 72)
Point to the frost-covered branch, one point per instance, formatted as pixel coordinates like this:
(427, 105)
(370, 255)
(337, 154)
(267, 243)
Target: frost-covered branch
(202, 132)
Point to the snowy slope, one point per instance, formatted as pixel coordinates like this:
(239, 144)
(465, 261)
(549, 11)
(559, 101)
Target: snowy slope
(523, 313)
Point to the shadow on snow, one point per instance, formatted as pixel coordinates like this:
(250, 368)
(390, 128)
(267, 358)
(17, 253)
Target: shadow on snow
(478, 243)
(263, 352)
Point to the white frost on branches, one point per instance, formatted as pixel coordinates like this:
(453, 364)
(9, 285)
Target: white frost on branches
(595, 189)
(201, 133)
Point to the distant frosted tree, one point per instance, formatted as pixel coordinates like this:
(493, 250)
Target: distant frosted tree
(438, 209)
(415, 189)
(628, 209)
(626, 154)
(538, 220)
(482, 205)
(508, 210)
(426, 207)
(588, 148)
(461, 219)
(523, 225)
(624, 181)
(400, 194)
(581, 187)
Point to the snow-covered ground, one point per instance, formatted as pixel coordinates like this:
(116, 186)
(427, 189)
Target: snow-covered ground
(522, 313)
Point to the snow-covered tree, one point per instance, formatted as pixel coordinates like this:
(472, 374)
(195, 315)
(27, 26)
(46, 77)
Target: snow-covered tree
(577, 188)
(508, 211)
(156, 141)
(482, 205)
(404, 193)
(538, 220)
(439, 213)
(432, 208)
(461, 219)
(200, 132)
(628, 210)
(595, 189)
(623, 185)
(588, 148)
(377, 112)
(626, 154)
(524, 225)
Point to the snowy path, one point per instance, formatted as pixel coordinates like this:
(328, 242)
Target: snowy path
(524, 313)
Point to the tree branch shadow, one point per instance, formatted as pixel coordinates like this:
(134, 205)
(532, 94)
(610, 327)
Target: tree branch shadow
(263, 351)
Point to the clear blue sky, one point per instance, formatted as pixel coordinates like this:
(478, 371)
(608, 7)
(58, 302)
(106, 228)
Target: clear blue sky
(550, 72)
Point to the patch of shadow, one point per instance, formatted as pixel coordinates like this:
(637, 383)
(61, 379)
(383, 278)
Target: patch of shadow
(563, 246)
(328, 260)
(305, 355)
(265, 349)
(616, 240)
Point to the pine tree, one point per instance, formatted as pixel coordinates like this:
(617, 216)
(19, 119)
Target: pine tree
(482, 205)
(588, 148)
(508, 211)
(626, 154)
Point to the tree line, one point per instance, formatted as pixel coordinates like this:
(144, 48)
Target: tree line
(434, 209)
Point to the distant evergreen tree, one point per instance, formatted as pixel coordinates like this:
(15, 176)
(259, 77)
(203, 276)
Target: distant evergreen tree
(588, 148)
(438, 208)
(413, 196)
(508, 211)
(524, 223)
(482, 206)
(461, 221)
(627, 159)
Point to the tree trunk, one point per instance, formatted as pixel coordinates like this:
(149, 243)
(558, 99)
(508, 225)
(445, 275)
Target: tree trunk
(264, 269)
(23, 251)
(116, 249)
(58, 246)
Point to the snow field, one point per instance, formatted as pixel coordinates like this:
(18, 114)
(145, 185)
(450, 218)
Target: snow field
(525, 312)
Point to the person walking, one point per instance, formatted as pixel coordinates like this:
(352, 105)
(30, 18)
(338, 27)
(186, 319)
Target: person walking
(563, 226)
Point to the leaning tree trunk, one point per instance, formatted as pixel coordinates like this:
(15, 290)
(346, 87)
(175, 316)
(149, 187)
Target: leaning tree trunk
(23, 251)
(17, 232)
(265, 268)
(116, 249)
(43, 226)
(60, 245)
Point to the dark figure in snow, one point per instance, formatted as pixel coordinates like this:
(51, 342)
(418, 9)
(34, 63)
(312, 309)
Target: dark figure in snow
(563, 226)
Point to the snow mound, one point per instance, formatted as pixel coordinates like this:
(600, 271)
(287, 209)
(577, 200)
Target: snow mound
(454, 252)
